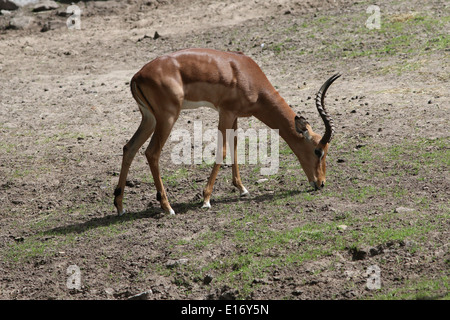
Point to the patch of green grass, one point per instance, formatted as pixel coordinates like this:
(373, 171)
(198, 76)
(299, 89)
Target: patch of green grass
(34, 248)
(173, 178)
(261, 244)
(413, 34)
(209, 238)
(7, 147)
(422, 289)
(422, 152)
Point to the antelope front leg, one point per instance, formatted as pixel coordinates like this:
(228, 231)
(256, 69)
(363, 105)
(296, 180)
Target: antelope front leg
(225, 122)
(209, 186)
(235, 167)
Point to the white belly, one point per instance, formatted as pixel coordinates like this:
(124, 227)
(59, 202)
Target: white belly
(187, 104)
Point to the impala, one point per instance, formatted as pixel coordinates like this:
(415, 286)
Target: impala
(233, 85)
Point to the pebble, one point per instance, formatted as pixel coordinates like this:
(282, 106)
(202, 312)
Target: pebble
(173, 263)
(45, 6)
(207, 279)
(142, 296)
(109, 291)
(403, 210)
(297, 292)
(21, 22)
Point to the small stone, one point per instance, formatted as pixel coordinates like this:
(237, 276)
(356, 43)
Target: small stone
(297, 292)
(109, 291)
(142, 296)
(373, 251)
(45, 6)
(358, 254)
(174, 263)
(46, 27)
(8, 5)
(342, 227)
(403, 210)
(261, 181)
(410, 244)
(207, 279)
(20, 22)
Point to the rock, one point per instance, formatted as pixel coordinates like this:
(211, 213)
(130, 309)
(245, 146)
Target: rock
(260, 281)
(20, 22)
(342, 227)
(403, 210)
(261, 181)
(109, 291)
(409, 244)
(228, 293)
(8, 5)
(297, 292)
(373, 251)
(174, 263)
(144, 37)
(46, 27)
(15, 4)
(207, 279)
(358, 254)
(45, 6)
(142, 296)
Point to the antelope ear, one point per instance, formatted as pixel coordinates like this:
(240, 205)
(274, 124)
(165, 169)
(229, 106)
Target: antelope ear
(301, 126)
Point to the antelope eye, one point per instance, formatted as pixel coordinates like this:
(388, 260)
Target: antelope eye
(318, 152)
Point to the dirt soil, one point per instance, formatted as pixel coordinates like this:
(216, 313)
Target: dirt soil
(66, 111)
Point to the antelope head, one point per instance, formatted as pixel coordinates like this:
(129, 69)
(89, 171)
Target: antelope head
(314, 162)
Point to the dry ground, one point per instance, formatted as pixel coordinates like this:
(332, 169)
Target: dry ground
(66, 112)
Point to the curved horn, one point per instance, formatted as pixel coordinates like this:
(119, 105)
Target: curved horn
(327, 120)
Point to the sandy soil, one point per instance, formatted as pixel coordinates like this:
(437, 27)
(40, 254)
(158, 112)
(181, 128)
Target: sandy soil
(66, 112)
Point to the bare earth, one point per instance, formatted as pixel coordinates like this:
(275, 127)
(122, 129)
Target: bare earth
(66, 111)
